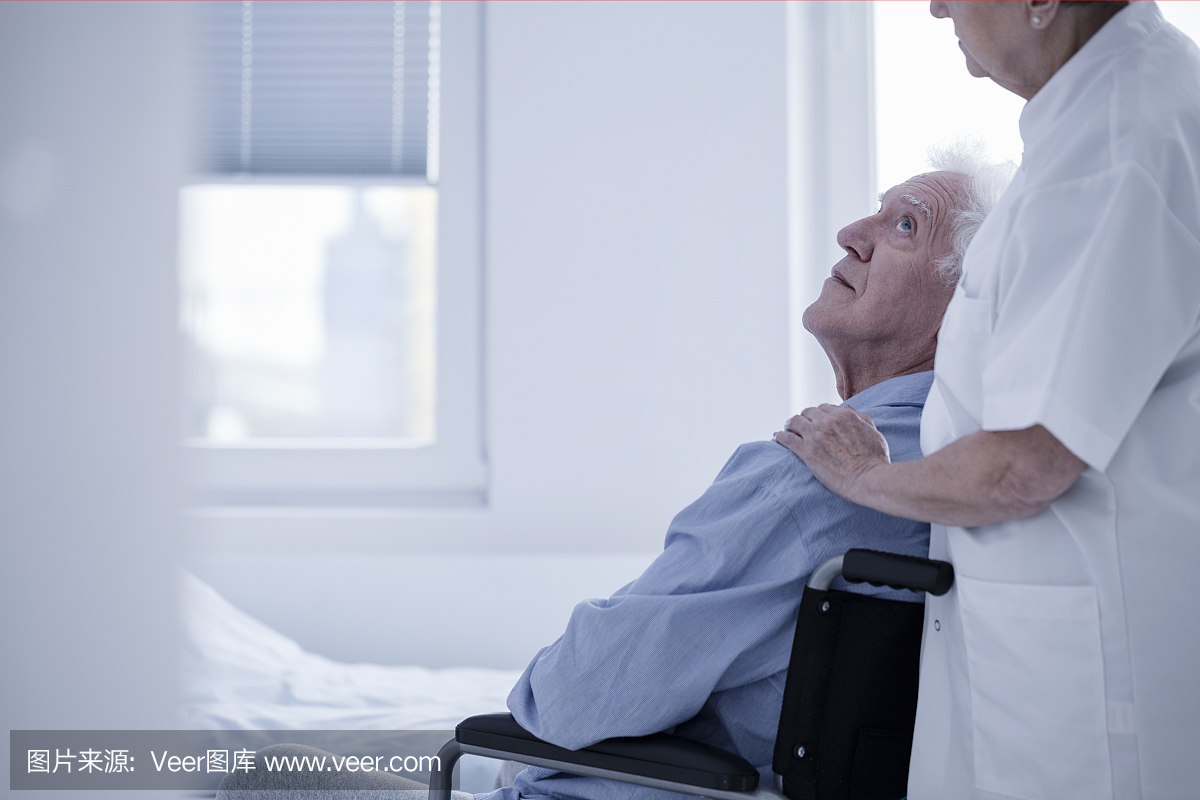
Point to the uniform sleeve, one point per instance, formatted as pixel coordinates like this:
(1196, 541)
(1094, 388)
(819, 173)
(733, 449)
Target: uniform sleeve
(1099, 289)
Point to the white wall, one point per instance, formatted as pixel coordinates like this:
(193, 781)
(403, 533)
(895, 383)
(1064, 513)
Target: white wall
(636, 333)
(92, 142)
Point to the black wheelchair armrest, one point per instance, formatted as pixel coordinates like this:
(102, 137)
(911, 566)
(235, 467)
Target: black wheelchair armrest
(885, 569)
(658, 760)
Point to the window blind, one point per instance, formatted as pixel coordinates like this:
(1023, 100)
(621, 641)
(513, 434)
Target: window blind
(320, 87)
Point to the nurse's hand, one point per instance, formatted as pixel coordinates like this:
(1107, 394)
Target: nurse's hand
(838, 444)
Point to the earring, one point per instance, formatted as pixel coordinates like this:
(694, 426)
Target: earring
(1036, 21)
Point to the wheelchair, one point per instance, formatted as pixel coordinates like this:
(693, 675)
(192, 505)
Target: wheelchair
(849, 705)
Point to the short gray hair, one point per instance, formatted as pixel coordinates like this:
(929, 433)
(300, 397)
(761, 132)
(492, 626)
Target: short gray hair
(986, 182)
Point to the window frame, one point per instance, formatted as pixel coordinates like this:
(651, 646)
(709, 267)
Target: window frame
(831, 163)
(389, 473)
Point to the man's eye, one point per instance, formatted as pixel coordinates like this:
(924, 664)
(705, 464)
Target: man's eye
(905, 225)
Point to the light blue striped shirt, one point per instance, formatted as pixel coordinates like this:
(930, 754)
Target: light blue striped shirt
(700, 642)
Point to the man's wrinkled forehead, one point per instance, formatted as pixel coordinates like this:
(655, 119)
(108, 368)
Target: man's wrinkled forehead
(930, 193)
(907, 197)
(919, 203)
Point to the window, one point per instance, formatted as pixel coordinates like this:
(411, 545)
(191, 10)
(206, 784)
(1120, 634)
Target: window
(346, 278)
(870, 87)
(923, 93)
(831, 163)
(329, 266)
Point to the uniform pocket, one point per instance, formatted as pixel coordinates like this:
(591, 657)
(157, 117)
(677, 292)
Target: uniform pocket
(969, 314)
(1037, 690)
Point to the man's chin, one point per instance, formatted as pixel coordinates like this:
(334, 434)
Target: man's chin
(806, 319)
(829, 306)
(815, 322)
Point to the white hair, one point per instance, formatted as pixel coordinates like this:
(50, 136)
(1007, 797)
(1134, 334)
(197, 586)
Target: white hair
(986, 182)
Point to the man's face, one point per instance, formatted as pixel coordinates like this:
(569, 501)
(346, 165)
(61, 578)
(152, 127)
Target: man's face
(885, 298)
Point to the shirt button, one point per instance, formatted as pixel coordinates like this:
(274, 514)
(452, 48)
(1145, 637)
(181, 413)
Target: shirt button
(937, 625)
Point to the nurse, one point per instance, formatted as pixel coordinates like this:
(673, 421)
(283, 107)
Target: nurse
(1062, 433)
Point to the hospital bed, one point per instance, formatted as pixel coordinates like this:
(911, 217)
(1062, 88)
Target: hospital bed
(241, 674)
(849, 705)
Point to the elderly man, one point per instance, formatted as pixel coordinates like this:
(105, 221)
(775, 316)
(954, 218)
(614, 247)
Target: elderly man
(700, 642)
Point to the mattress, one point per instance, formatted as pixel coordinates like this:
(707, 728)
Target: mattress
(241, 674)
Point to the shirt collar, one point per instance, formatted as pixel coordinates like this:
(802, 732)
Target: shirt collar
(905, 390)
(1126, 28)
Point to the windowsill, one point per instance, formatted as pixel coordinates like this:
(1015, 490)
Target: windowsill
(217, 504)
(310, 443)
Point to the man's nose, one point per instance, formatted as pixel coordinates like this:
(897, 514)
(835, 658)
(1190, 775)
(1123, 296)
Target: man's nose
(854, 240)
(938, 9)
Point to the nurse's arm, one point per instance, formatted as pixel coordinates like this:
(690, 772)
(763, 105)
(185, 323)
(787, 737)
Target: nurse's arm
(980, 479)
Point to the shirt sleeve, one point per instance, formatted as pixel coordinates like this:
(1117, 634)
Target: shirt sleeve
(717, 610)
(695, 622)
(1098, 291)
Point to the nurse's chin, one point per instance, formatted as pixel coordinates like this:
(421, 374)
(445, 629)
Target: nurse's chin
(973, 65)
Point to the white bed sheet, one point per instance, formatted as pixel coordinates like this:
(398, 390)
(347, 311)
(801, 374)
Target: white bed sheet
(240, 674)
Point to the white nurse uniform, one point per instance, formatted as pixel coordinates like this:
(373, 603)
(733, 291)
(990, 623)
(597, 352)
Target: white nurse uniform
(1065, 663)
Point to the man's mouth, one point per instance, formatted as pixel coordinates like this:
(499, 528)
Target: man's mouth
(837, 276)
